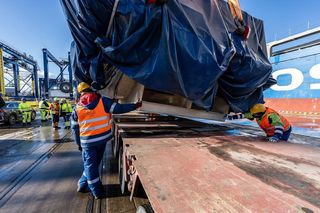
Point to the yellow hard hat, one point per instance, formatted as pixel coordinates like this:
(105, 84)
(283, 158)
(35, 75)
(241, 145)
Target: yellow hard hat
(258, 108)
(82, 86)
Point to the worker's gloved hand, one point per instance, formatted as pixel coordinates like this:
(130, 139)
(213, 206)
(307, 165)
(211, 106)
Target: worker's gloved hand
(138, 104)
(234, 116)
(228, 117)
(242, 29)
(273, 139)
(80, 148)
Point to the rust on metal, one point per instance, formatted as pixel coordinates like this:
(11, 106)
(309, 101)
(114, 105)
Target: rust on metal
(221, 169)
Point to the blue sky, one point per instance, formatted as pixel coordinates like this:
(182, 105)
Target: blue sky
(284, 16)
(30, 25)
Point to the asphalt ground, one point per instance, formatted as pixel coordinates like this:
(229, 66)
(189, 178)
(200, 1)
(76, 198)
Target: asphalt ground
(39, 170)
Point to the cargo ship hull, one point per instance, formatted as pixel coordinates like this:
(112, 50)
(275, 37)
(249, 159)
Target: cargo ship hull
(296, 67)
(295, 106)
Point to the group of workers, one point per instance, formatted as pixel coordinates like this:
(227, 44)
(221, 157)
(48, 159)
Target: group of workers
(57, 110)
(48, 110)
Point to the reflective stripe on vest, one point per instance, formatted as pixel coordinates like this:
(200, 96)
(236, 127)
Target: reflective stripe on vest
(93, 122)
(267, 127)
(96, 139)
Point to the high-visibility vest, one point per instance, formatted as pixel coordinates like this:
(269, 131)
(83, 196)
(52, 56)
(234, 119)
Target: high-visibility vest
(42, 105)
(25, 107)
(269, 128)
(93, 122)
(67, 108)
(55, 108)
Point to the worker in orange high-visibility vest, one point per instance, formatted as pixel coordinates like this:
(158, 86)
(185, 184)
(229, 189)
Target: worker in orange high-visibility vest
(276, 126)
(55, 112)
(91, 123)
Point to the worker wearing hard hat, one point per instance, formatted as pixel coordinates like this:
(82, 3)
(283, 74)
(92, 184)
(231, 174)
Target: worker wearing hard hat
(43, 107)
(276, 126)
(91, 124)
(66, 110)
(26, 110)
(49, 116)
(55, 112)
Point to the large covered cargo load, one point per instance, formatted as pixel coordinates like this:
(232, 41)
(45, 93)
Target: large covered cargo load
(184, 53)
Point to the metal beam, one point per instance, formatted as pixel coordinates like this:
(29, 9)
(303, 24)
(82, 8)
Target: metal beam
(70, 75)
(25, 82)
(46, 73)
(2, 87)
(180, 111)
(291, 38)
(35, 82)
(61, 74)
(19, 59)
(60, 64)
(16, 79)
(17, 54)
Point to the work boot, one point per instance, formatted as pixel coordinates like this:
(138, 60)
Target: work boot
(102, 194)
(83, 189)
(57, 127)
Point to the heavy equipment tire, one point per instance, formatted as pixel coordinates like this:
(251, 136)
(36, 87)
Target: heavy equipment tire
(112, 148)
(65, 87)
(145, 208)
(12, 120)
(123, 183)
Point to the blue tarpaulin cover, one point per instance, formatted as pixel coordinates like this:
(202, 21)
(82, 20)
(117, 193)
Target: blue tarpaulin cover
(184, 47)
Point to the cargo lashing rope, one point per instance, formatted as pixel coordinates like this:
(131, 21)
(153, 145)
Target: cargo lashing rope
(114, 10)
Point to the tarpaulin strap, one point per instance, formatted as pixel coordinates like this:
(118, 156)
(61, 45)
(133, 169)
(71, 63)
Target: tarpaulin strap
(115, 6)
(255, 31)
(235, 9)
(242, 29)
(224, 23)
(71, 10)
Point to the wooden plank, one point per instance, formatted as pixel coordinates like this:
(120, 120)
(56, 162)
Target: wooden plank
(180, 111)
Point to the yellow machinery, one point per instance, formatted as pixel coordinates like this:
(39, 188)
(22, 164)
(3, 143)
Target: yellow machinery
(2, 88)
